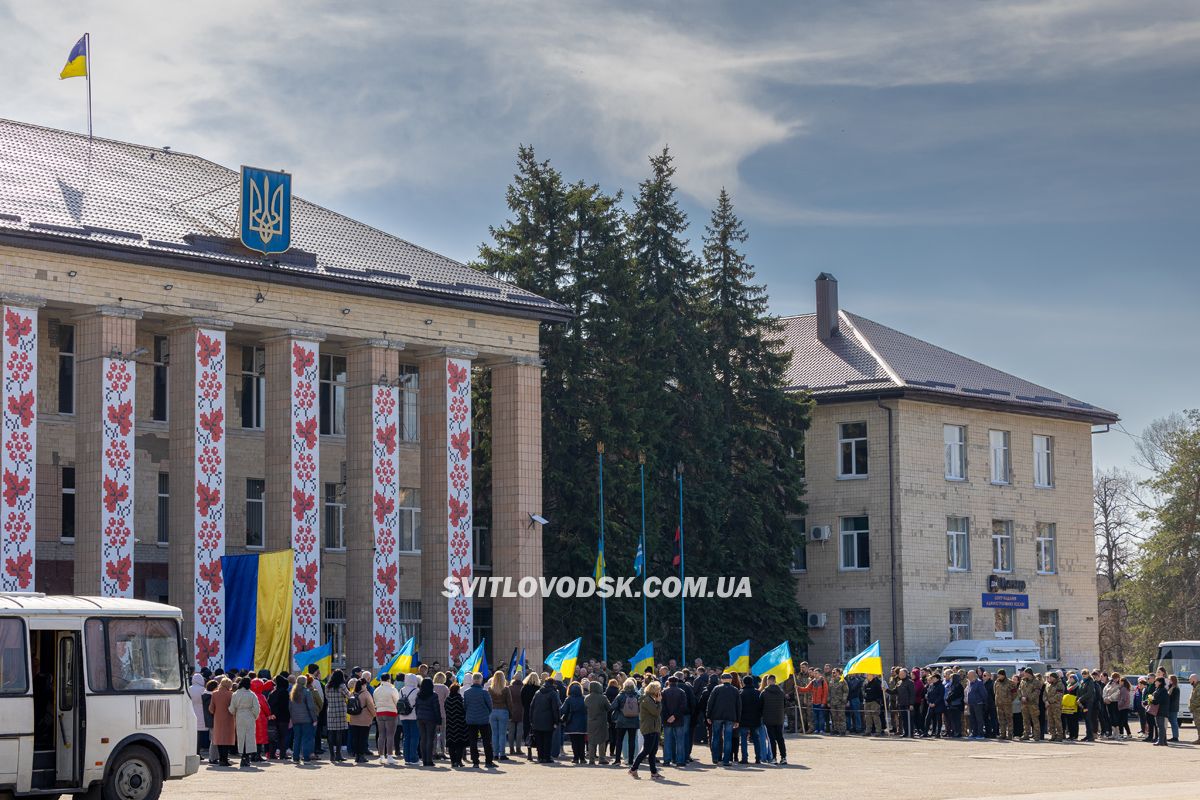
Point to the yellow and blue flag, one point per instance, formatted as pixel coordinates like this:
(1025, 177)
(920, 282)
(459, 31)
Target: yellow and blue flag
(516, 665)
(563, 660)
(739, 658)
(599, 571)
(258, 610)
(321, 656)
(868, 662)
(77, 61)
(476, 662)
(777, 662)
(400, 664)
(643, 659)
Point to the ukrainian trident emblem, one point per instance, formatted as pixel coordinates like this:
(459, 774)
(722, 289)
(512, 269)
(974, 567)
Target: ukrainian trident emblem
(266, 219)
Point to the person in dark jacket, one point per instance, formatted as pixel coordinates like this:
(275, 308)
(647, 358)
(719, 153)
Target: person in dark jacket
(725, 712)
(626, 713)
(905, 694)
(674, 718)
(774, 705)
(532, 684)
(429, 716)
(574, 720)
(977, 705)
(456, 726)
(599, 714)
(478, 704)
(610, 693)
(935, 704)
(689, 719)
(955, 699)
(750, 719)
(544, 713)
(1161, 698)
(872, 693)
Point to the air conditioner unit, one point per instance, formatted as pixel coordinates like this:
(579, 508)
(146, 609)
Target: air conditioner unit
(816, 620)
(820, 533)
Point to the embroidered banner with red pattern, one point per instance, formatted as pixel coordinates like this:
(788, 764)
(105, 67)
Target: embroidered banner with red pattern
(209, 509)
(305, 459)
(18, 459)
(385, 519)
(459, 515)
(116, 478)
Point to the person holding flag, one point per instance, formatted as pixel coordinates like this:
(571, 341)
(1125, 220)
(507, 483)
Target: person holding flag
(643, 659)
(739, 658)
(870, 664)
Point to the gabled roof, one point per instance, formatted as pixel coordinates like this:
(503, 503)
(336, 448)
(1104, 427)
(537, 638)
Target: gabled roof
(866, 358)
(132, 202)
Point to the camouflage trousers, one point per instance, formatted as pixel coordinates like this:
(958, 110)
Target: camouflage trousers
(1030, 722)
(1004, 718)
(873, 725)
(839, 719)
(1054, 724)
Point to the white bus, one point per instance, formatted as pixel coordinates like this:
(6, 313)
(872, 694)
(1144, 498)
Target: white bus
(1180, 659)
(92, 695)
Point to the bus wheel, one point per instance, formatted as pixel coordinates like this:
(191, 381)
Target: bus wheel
(136, 774)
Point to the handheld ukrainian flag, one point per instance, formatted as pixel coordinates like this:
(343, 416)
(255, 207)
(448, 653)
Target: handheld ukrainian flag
(321, 656)
(777, 662)
(476, 662)
(599, 571)
(563, 660)
(401, 663)
(639, 561)
(77, 60)
(739, 658)
(643, 660)
(258, 610)
(516, 666)
(868, 662)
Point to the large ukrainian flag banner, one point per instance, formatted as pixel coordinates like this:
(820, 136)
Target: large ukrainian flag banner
(258, 611)
(777, 662)
(868, 662)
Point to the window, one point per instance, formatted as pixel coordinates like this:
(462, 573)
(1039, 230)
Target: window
(410, 520)
(133, 655)
(335, 629)
(1043, 461)
(164, 508)
(852, 445)
(256, 520)
(1002, 545)
(1006, 623)
(800, 551)
(333, 395)
(66, 369)
(409, 403)
(14, 663)
(1048, 634)
(960, 624)
(856, 631)
(67, 521)
(162, 357)
(335, 517)
(1047, 548)
(1001, 457)
(410, 620)
(958, 544)
(254, 387)
(481, 547)
(955, 439)
(856, 543)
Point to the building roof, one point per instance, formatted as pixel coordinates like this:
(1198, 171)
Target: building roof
(132, 202)
(865, 358)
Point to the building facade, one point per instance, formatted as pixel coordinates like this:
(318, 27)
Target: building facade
(171, 397)
(946, 500)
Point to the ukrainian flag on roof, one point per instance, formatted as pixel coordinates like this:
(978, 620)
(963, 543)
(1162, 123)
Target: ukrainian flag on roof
(739, 658)
(77, 66)
(868, 662)
(777, 662)
(643, 660)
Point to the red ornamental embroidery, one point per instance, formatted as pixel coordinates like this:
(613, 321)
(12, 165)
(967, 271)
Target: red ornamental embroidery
(384, 647)
(206, 498)
(461, 572)
(458, 646)
(302, 359)
(22, 406)
(122, 417)
(383, 507)
(18, 446)
(458, 511)
(302, 503)
(214, 423)
(456, 375)
(118, 377)
(21, 568)
(114, 493)
(300, 644)
(307, 431)
(462, 443)
(207, 349)
(16, 326)
(307, 576)
(119, 571)
(387, 577)
(206, 649)
(210, 573)
(386, 436)
(14, 488)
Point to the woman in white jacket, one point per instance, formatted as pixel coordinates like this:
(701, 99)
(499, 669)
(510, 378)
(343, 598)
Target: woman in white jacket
(245, 709)
(386, 696)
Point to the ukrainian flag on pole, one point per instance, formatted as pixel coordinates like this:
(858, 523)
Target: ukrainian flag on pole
(868, 662)
(321, 656)
(476, 662)
(77, 61)
(643, 660)
(601, 566)
(739, 658)
(563, 660)
(401, 663)
(777, 662)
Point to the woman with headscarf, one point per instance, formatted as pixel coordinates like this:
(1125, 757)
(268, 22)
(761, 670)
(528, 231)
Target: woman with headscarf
(196, 692)
(224, 734)
(599, 713)
(336, 724)
(428, 712)
(244, 707)
(456, 726)
(261, 728)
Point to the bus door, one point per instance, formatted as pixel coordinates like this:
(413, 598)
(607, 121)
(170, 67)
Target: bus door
(68, 710)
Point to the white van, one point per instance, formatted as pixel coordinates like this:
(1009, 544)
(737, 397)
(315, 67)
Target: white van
(92, 694)
(991, 650)
(1182, 659)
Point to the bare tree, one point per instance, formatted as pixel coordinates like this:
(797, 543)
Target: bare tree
(1117, 535)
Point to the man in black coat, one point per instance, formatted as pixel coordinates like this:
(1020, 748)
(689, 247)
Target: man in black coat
(675, 722)
(544, 711)
(751, 720)
(725, 711)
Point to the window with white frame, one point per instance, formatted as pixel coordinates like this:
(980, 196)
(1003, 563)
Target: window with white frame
(66, 369)
(335, 516)
(1043, 461)
(162, 358)
(856, 543)
(410, 403)
(1002, 545)
(958, 544)
(335, 630)
(1006, 623)
(1047, 548)
(254, 387)
(954, 438)
(852, 449)
(800, 550)
(256, 512)
(333, 395)
(856, 631)
(66, 530)
(1048, 633)
(410, 520)
(998, 443)
(164, 508)
(960, 624)
(410, 620)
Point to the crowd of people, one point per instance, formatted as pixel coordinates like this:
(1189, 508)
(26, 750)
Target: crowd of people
(609, 717)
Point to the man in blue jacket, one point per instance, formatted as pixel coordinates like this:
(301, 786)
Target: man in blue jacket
(977, 698)
(478, 706)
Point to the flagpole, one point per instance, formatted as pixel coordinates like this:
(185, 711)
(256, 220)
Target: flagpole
(87, 48)
(682, 599)
(645, 614)
(603, 600)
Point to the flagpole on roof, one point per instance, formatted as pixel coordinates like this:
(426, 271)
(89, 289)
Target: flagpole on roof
(645, 615)
(87, 48)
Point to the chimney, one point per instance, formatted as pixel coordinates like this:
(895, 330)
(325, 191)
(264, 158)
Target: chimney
(827, 307)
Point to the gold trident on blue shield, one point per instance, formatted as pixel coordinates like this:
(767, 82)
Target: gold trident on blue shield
(266, 219)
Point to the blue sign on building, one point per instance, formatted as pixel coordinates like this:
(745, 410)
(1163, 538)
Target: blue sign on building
(266, 219)
(993, 600)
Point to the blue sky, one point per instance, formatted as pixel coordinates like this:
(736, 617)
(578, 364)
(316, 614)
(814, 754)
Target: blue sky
(1016, 181)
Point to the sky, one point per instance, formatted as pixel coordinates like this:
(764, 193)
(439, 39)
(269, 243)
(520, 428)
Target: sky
(1015, 181)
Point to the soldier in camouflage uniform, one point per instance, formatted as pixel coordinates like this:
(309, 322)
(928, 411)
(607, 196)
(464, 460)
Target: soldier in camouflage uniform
(1052, 694)
(1029, 689)
(839, 694)
(1005, 690)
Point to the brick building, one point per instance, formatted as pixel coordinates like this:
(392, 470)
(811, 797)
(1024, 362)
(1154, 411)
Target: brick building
(937, 484)
(170, 396)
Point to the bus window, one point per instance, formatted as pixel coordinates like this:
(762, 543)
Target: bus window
(93, 641)
(14, 662)
(66, 676)
(143, 655)
(1180, 659)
